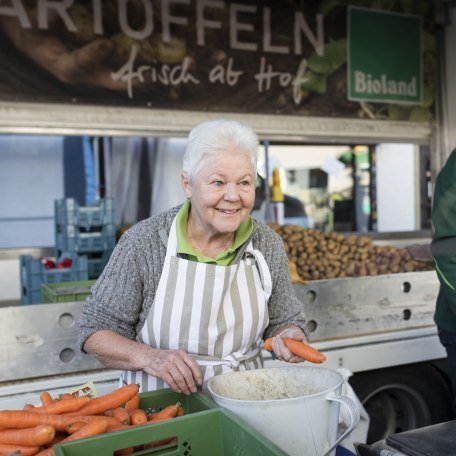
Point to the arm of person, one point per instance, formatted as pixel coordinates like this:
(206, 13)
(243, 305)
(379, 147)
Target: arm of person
(176, 367)
(286, 318)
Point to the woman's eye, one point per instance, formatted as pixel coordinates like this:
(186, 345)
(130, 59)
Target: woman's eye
(245, 183)
(218, 183)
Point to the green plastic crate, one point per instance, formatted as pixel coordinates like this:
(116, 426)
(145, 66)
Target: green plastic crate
(214, 432)
(162, 398)
(65, 291)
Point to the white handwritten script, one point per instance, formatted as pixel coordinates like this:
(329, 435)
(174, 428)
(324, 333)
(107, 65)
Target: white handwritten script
(174, 75)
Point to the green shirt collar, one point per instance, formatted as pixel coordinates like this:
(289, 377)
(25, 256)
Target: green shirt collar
(224, 258)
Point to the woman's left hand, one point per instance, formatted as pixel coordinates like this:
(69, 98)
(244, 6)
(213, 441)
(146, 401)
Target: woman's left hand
(281, 350)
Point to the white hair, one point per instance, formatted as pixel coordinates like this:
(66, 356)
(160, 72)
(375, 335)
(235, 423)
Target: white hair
(217, 137)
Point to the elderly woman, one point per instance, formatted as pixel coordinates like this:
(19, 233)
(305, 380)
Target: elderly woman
(190, 293)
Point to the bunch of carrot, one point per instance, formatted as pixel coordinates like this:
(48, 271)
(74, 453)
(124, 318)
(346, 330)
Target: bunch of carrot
(35, 429)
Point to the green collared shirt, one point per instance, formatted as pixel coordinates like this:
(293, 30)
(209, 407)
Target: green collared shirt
(222, 259)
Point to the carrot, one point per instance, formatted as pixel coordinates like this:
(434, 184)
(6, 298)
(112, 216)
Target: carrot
(118, 427)
(158, 443)
(23, 450)
(122, 415)
(28, 407)
(64, 406)
(109, 401)
(181, 411)
(73, 427)
(132, 404)
(300, 349)
(109, 420)
(20, 419)
(167, 413)
(46, 398)
(46, 452)
(138, 416)
(35, 436)
(59, 436)
(89, 430)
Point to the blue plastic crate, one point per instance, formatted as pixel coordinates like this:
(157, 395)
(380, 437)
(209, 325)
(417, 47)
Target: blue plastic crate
(97, 264)
(68, 212)
(72, 238)
(33, 274)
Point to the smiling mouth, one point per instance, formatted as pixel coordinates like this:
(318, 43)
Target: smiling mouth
(229, 212)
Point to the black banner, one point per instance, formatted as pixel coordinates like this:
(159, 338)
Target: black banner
(276, 56)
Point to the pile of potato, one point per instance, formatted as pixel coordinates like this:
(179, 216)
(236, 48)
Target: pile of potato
(319, 255)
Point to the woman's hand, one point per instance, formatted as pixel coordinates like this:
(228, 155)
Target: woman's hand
(280, 349)
(177, 368)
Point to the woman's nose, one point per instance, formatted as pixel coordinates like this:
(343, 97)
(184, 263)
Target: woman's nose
(231, 193)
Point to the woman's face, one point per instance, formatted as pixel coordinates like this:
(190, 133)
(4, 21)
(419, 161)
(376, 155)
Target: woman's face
(222, 192)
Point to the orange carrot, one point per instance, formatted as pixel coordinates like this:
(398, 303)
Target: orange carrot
(181, 411)
(118, 427)
(64, 406)
(167, 413)
(109, 401)
(46, 452)
(23, 450)
(73, 427)
(46, 398)
(300, 349)
(122, 415)
(138, 416)
(59, 436)
(20, 419)
(109, 420)
(89, 430)
(158, 443)
(35, 436)
(132, 404)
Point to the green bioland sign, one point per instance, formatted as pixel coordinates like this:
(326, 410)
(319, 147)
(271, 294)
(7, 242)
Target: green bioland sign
(384, 57)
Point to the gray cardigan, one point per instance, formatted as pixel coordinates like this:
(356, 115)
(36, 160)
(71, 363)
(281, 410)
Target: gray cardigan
(122, 296)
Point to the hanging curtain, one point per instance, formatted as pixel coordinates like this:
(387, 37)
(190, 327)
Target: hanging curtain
(167, 156)
(143, 175)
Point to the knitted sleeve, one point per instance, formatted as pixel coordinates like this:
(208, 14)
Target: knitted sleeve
(284, 306)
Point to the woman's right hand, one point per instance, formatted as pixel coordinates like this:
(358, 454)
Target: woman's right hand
(176, 368)
(281, 351)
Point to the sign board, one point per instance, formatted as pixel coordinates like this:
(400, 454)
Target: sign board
(245, 56)
(384, 56)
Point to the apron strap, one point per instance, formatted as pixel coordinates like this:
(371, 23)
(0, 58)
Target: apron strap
(235, 361)
(263, 268)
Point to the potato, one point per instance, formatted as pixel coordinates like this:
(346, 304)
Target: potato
(319, 255)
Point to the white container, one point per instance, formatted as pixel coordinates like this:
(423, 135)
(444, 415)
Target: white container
(297, 408)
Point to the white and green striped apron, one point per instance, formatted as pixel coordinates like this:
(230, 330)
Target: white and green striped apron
(216, 313)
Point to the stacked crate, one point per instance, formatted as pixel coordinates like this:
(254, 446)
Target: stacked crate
(33, 274)
(86, 231)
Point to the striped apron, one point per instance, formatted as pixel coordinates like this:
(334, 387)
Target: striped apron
(215, 313)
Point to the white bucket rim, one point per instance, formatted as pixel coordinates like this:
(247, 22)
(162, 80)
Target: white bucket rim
(282, 400)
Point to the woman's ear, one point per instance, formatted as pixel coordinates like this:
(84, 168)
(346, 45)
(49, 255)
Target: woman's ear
(185, 181)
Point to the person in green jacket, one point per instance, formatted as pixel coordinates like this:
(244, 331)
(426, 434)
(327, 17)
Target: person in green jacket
(443, 250)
